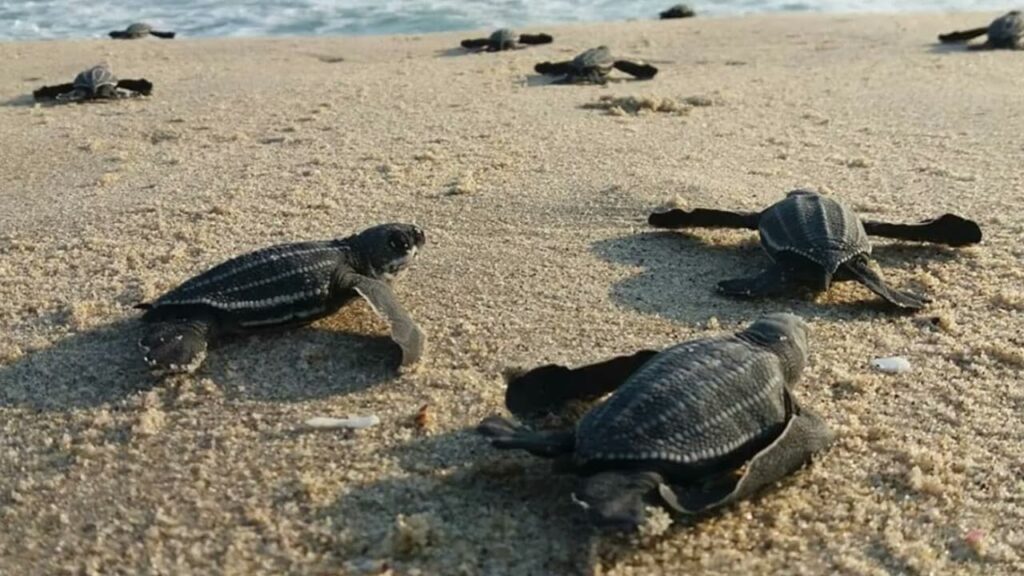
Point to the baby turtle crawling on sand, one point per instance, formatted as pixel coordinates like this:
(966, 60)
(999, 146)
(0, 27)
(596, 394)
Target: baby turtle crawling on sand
(281, 286)
(677, 11)
(815, 240)
(1005, 32)
(505, 39)
(593, 67)
(139, 30)
(96, 83)
(697, 425)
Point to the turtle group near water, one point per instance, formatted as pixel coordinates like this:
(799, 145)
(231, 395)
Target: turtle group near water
(593, 67)
(1005, 32)
(281, 286)
(693, 427)
(814, 240)
(140, 30)
(505, 39)
(95, 83)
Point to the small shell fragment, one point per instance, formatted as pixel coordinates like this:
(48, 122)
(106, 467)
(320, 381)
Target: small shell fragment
(352, 423)
(894, 364)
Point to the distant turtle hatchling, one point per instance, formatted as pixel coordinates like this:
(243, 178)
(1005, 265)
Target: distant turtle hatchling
(1005, 32)
(814, 240)
(139, 30)
(677, 11)
(506, 39)
(696, 426)
(96, 83)
(593, 67)
(279, 286)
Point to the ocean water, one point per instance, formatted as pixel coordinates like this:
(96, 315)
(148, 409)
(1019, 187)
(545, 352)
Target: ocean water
(45, 19)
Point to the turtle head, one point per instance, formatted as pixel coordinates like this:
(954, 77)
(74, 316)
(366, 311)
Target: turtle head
(388, 249)
(786, 336)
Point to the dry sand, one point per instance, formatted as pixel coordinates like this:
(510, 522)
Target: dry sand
(535, 207)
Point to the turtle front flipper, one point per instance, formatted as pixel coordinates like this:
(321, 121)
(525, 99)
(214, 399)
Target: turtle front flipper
(475, 43)
(507, 435)
(860, 270)
(549, 388)
(140, 86)
(382, 299)
(771, 282)
(164, 35)
(635, 69)
(804, 435)
(176, 346)
(962, 35)
(554, 68)
(617, 500)
(703, 218)
(52, 92)
(948, 229)
(535, 39)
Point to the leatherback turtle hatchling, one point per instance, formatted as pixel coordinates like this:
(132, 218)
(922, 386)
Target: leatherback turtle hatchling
(96, 83)
(815, 240)
(1007, 32)
(593, 67)
(677, 11)
(283, 285)
(697, 425)
(506, 39)
(139, 30)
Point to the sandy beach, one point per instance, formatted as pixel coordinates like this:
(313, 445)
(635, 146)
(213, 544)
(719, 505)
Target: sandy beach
(534, 205)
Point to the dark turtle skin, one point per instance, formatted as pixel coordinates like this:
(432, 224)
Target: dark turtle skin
(814, 240)
(677, 11)
(593, 67)
(505, 39)
(282, 286)
(140, 30)
(92, 84)
(694, 427)
(1004, 33)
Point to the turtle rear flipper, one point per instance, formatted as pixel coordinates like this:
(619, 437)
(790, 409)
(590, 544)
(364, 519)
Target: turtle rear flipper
(553, 68)
(382, 299)
(176, 346)
(703, 218)
(52, 92)
(804, 435)
(164, 35)
(548, 388)
(475, 43)
(771, 282)
(962, 35)
(617, 500)
(640, 71)
(535, 39)
(948, 229)
(140, 86)
(859, 270)
(507, 435)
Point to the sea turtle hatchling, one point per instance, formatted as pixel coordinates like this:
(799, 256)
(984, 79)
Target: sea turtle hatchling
(280, 286)
(814, 240)
(696, 426)
(96, 83)
(139, 30)
(593, 67)
(506, 39)
(1006, 32)
(677, 11)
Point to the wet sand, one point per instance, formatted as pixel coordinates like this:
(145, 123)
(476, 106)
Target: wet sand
(534, 206)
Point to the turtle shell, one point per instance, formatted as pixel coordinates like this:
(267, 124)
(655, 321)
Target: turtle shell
(275, 286)
(697, 408)
(502, 38)
(815, 227)
(138, 29)
(1007, 31)
(94, 78)
(599, 59)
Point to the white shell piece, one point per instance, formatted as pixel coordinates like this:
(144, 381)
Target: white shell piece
(352, 423)
(894, 364)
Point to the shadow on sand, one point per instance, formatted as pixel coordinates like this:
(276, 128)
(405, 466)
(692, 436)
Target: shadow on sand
(102, 365)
